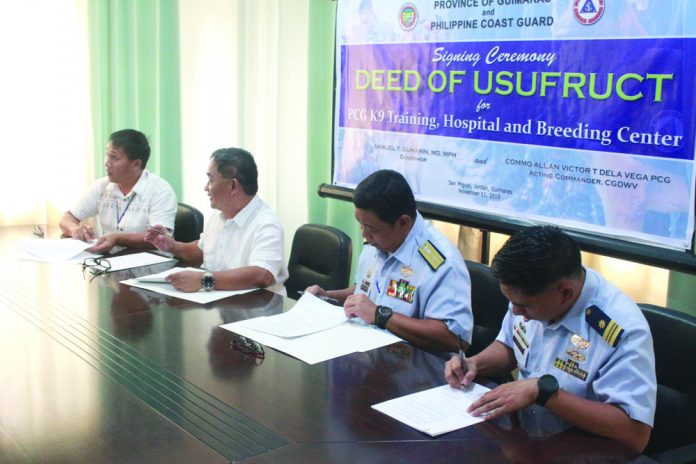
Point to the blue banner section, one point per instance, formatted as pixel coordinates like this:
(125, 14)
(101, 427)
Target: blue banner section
(578, 113)
(623, 96)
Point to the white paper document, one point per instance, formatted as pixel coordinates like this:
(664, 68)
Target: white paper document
(435, 411)
(349, 337)
(54, 250)
(309, 315)
(161, 277)
(119, 263)
(165, 288)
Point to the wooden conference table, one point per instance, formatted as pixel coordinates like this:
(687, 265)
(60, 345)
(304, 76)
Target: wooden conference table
(97, 371)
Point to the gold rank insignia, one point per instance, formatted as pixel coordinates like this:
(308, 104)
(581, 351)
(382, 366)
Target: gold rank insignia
(576, 355)
(571, 367)
(579, 342)
(431, 255)
(609, 330)
(406, 271)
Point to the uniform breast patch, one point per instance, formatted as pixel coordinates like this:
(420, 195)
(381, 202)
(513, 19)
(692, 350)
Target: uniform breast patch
(401, 290)
(570, 367)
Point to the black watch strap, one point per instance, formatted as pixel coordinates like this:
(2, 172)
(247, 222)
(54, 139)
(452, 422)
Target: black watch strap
(548, 385)
(382, 315)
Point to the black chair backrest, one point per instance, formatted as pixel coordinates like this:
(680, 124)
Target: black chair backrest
(674, 340)
(319, 255)
(188, 223)
(488, 305)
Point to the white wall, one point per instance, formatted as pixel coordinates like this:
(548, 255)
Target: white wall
(244, 83)
(44, 110)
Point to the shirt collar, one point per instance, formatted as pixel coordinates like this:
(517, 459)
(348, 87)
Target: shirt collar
(574, 318)
(139, 186)
(405, 252)
(243, 217)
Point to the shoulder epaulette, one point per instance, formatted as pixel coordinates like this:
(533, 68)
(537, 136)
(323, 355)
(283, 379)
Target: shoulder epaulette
(609, 330)
(431, 255)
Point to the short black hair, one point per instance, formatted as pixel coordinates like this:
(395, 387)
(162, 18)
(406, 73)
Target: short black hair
(387, 194)
(534, 258)
(236, 163)
(133, 143)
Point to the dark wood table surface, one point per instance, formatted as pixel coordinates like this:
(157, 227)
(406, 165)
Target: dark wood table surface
(96, 371)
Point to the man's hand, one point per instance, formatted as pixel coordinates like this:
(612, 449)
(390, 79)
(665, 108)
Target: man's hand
(186, 281)
(360, 306)
(83, 232)
(458, 375)
(316, 291)
(506, 398)
(159, 237)
(104, 244)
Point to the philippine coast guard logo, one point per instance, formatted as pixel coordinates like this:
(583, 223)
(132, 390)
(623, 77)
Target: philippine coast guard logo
(408, 16)
(588, 12)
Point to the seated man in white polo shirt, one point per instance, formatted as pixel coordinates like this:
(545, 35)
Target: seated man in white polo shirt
(127, 201)
(242, 245)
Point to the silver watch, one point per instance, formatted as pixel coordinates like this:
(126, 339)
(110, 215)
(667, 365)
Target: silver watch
(208, 281)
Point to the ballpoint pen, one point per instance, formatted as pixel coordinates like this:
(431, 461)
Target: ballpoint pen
(462, 356)
(160, 230)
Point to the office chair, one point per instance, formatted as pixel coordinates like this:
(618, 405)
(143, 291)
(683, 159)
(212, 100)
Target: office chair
(320, 255)
(488, 305)
(673, 439)
(188, 223)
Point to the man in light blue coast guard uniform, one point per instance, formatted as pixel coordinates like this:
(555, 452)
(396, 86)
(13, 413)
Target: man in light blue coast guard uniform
(411, 280)
(583, 348)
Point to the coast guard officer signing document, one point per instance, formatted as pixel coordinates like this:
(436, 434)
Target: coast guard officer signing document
(583, 348)
(411, 280)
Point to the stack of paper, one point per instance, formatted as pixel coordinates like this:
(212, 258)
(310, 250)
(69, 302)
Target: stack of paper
(161, 277)
(349, 336)
(435, 411)
(308, 316)
(158, 283)
(119, 263)
(55, 250)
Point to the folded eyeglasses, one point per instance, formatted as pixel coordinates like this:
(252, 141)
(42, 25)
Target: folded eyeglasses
(95, 267)
(249, 347)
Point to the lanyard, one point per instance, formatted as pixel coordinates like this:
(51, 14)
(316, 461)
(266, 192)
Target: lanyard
(119, 217)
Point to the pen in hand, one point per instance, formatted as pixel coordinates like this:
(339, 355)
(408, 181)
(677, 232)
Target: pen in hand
(462, 357)
(154, 231)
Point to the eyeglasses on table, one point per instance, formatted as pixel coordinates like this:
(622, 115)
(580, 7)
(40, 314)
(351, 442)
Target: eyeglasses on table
(248, 347)
(95, 267)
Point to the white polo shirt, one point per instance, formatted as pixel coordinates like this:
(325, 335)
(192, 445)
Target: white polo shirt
(152, 201)
(254, 237)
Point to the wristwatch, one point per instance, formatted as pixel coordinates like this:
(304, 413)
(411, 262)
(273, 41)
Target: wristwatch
(208, 281)
(382, 315)
(548, 385)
